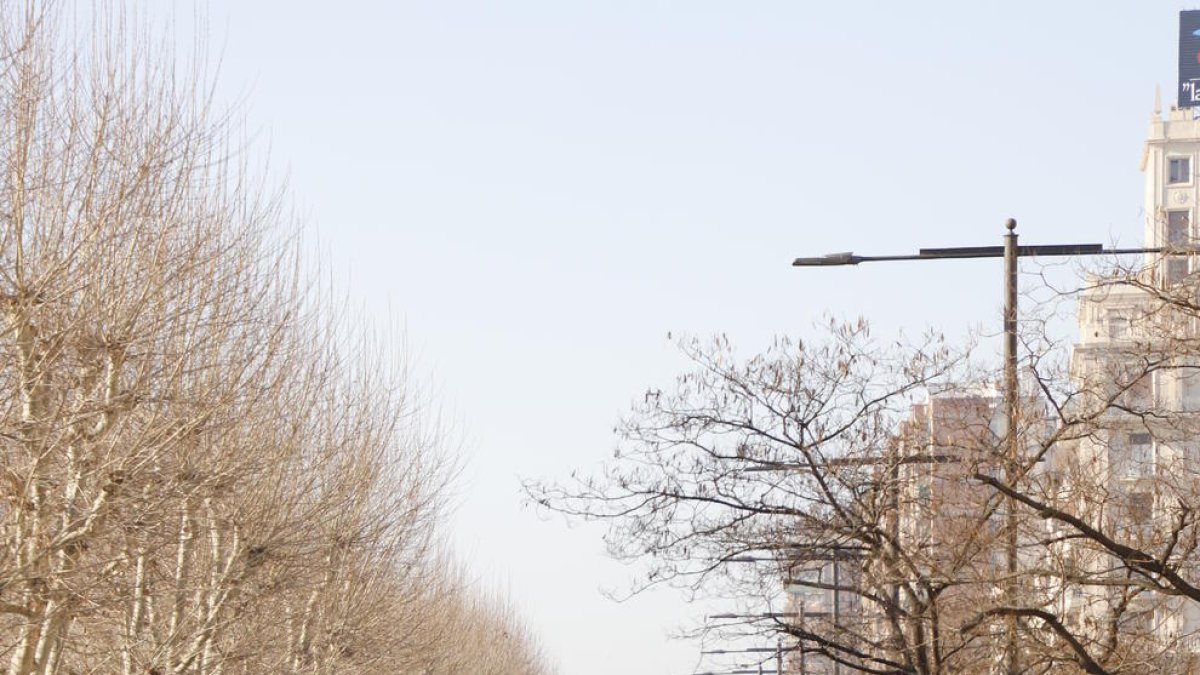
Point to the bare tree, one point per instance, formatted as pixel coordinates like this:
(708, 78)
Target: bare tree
(795, 455)
(205, 469)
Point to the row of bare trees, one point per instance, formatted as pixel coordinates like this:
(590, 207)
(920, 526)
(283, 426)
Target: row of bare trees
(204, 470)
(869, 478)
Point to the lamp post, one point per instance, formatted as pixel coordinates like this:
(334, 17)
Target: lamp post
(1010, 251)
(833, 554)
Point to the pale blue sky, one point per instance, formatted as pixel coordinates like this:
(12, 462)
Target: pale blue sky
(540, 190)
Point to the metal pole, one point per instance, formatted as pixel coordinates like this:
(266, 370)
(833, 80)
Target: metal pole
(1012, 661)
(895, 496)
(803, 658)
(779, 655)
(837, 606)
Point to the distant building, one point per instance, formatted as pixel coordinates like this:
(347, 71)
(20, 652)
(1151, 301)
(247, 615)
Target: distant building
(943, 440)
(937, 510)
(1135, 366)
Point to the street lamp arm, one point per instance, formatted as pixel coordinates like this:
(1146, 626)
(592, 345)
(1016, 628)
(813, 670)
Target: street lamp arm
(749, 650)
(964, 252)
(765, 615)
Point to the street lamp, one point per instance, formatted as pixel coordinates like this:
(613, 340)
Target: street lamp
(777, 650)
(1010, 252)
(796, 553)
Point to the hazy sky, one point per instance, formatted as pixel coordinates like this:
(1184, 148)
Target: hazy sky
(540, 190)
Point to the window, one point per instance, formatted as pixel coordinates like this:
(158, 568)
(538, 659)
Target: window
(1132, 385)
(1139, 514)
(803, 586)
(1118, 326)
(1179, 170)
(1177, 227)
(1140, 393)
(1141, 507)
(1189, 380)
(1178, 235)
(1139, 455)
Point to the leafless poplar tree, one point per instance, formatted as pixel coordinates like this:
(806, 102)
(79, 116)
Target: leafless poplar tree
(204, 470)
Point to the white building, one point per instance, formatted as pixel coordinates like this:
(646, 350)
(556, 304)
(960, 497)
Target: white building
(1136, 450)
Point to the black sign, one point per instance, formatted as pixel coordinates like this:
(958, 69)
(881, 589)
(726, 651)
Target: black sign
(1189, 58)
